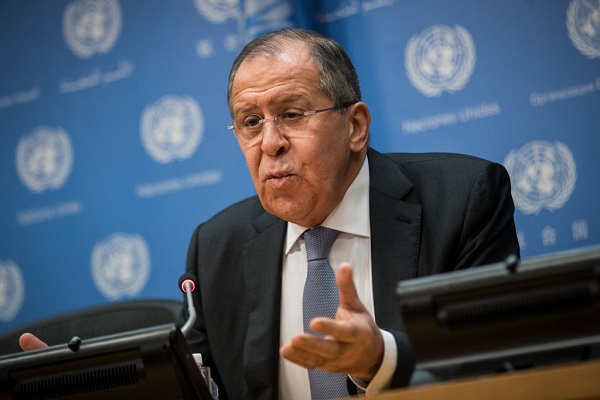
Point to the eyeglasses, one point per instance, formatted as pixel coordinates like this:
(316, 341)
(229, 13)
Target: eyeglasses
(292, 119)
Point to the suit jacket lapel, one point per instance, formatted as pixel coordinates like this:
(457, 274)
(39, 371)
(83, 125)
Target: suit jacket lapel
(395, 236)
(261, 258)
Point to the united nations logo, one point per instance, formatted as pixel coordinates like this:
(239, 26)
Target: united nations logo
(440, 59)
(92, 26)
(172, 128)
(218, 11)
(44, 159)
(266, 16)
(543, 175)
(12, 290)
(583, 26)
(120, 265)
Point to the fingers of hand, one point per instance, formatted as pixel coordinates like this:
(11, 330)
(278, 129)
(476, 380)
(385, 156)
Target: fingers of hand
(28, 342)
(348, 294)
(344, 343)
(360, 345)
(315, 352)
(351, 340)
(342, 330)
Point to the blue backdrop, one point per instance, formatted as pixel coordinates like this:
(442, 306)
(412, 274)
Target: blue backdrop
(113, 139)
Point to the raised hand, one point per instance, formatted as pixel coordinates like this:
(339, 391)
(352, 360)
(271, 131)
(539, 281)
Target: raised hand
(353, 343)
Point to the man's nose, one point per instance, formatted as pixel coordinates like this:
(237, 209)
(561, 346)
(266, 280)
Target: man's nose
(274, 141)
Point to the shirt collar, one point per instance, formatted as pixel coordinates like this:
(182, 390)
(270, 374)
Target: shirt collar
(350, 216)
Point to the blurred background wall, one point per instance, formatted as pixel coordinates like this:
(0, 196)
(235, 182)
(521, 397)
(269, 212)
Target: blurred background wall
(113, 139)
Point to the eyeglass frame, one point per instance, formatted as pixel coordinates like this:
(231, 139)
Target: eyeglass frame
(264, 120)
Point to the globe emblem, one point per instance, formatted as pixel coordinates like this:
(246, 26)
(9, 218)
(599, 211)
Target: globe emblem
(218, 11)
(120, 265)
(264, 16)
(92, 26)
(543, 175)
(439, 56)
(583, 26)
(172, 128)
(440, 59)
(12, 290)
(44, 159)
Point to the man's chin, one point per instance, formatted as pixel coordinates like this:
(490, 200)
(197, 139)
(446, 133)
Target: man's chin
(284, 208)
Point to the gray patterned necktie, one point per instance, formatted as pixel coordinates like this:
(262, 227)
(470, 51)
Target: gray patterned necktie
(321, 299)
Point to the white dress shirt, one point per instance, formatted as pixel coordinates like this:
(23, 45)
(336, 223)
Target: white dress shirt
(353, 245)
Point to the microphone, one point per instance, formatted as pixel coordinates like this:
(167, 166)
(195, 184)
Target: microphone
(187, 284)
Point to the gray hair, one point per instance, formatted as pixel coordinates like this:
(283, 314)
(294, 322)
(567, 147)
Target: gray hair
(338, 77)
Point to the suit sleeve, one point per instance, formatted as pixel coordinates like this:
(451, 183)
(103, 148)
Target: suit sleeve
(405, 360)
(488, 233)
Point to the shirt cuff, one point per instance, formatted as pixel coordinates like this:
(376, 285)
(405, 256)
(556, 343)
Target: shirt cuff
(383, 378)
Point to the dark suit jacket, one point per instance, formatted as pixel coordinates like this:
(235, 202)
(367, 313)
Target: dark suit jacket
(430, 213)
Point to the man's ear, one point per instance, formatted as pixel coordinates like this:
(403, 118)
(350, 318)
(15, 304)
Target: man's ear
(360, 120)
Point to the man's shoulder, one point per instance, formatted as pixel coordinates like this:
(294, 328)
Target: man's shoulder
(411, 160)
(242, 212)
(443, 165)
(438, 172)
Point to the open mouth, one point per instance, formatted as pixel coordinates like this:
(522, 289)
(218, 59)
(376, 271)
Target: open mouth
(279, 179)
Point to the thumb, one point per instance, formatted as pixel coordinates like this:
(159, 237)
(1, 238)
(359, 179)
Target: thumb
(348, 294)
(28, 342)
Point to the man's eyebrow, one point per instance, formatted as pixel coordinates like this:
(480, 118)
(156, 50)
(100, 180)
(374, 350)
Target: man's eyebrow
(290, 98)
(284, 99)
(245, 110)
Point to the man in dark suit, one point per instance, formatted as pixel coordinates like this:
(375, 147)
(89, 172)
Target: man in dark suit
(298, 116)
(295, 101)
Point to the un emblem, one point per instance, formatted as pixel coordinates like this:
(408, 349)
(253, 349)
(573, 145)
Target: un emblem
(120, 265)
(265, 16)
(583, 26)
(172, 128)
(44, 159)
(543, 175)
(12, 290)
(440, 59)
(92, 26)
(218, 11)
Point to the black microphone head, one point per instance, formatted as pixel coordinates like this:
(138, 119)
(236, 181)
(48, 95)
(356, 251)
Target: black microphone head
(187, 278)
